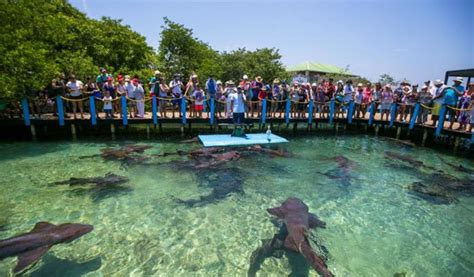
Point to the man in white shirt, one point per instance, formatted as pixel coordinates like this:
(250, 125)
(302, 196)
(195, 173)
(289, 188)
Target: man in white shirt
(176, 89)
(237, 103)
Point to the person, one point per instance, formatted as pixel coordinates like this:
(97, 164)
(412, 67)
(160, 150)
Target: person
(110, 87)
(464, 104)
(211, 90)
(459, 92)
(424, 99)
(449, 98)
(256, 87)
(338, 99)
(139, 96)
(237, 102)
(471, 106)
(386, 101)
(404, 102)
(92, 90)
(102, 78)
(358, 96)
(199, 98)
(377, 93)
(75, 91)
(246, 86)
(261, 95)
(154, 84)
(230, 91)
(220, 99)
(302, 101)
(320, 99)
(437, 100)
(132, 105)
(163, 94)
(121, 91)
(176, 90)
(366, 98)
(398, 97)
(190, 88)
(275, 97)
(348, 94)
(58, 88)
(107, 99)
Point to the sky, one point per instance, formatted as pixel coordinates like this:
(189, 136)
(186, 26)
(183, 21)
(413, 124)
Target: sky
(415, 39)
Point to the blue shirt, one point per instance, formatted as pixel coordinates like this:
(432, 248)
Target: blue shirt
(450, 97)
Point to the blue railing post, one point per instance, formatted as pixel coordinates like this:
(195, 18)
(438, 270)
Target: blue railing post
(124, 110)
(204, 108)
(153, 110)
(92, 110)
(371, 113)
(414, 116)
(264, 110)
(350, 112)
(393, 114)
(212, 108)
(472, 136)
(59, 103)
(442, 115)
(183, 109)
(287, 110)
(332, 107)
(26, 111)
(310, 111)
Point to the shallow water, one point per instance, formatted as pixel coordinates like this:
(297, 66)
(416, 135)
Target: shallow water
(374, 226)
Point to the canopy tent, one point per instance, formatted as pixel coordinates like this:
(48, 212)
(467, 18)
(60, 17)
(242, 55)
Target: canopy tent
(318, 67)
(459, 73)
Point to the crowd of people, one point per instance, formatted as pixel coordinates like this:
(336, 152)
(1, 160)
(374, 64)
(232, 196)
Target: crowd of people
(246, 98)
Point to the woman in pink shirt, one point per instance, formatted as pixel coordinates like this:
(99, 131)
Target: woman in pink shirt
(366, 98)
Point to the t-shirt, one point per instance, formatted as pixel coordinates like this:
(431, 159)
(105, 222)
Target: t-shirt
(176, 87)
(450, 97)
(130, 88)
(348, 89)
(199, 97)
(107, 102)
(239, 102)
(110, 88)
(102, 79)
(155, 88)
(75, 88)
(138, 92)
(437, 92)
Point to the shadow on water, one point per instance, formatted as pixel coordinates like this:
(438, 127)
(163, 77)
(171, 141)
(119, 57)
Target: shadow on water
(98, 194)
(53, 266)
(222, 181)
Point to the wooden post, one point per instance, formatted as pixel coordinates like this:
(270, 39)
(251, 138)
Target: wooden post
(332, 107)
(60, 106)
(414, 116)
(92, 110)
(33, 132)
(264, 111)
(442, 115)
(124, 110)
(212, 109)
(112, 130)
(148, 131)
(377, 127)
(456, 144)
(399, 130)
(287, 111)
(153, 110)
(350, 112)
(393, 114)
(73, 131)
(425, 136)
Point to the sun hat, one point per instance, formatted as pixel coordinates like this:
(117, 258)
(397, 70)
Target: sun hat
(340, 82)
(438, 82)
(135, 80)
(245, 77)
(276, 81)
(314, 85)
(230, 82)
(120, 77)
(424, 87)
(109, 78)
(127, 78)
(459, 79)
(157, 72)
(360, 85)
(219, 82)
(258, 79)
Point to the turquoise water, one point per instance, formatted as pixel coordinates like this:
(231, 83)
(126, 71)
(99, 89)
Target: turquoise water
(374, 226)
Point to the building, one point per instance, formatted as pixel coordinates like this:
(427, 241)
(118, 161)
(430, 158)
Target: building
(315, 72)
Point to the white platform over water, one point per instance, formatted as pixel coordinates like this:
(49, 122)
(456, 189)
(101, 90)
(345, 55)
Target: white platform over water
(249, 139)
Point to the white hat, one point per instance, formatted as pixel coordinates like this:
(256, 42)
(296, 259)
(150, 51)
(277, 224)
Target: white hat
(127, 78)
(314, 85)
(340, 82)
(219, 82)
(424, 87)
(157, 72)
(245, 77)
(459, 79)
(438, 82)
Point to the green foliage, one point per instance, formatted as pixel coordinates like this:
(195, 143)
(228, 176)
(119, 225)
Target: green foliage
(386, 79)
(41, 39)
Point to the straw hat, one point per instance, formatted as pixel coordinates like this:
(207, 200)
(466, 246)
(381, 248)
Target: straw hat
(245, 77)
(459, 80)
(230, 83)
(219, 82)
(359, 85)
(258, 79)
(157, 72)
(127, 78)
(276, 81)
(438, 82)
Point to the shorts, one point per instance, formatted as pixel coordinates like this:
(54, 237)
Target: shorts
(386, 106)
(436, 109)
(450, 113)
(198, 108)
(238, 118)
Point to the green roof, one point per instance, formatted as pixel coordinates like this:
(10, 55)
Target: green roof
(318, 67)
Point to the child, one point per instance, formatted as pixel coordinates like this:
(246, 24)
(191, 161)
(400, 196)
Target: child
(386, 101)
(321, 100)
(107, 104)
(425, 100)
(358, 96)
(198, 96)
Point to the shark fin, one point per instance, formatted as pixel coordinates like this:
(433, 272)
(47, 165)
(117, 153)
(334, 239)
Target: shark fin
(42, 226)
(28, 258)
(278, 212)
(314, 221)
